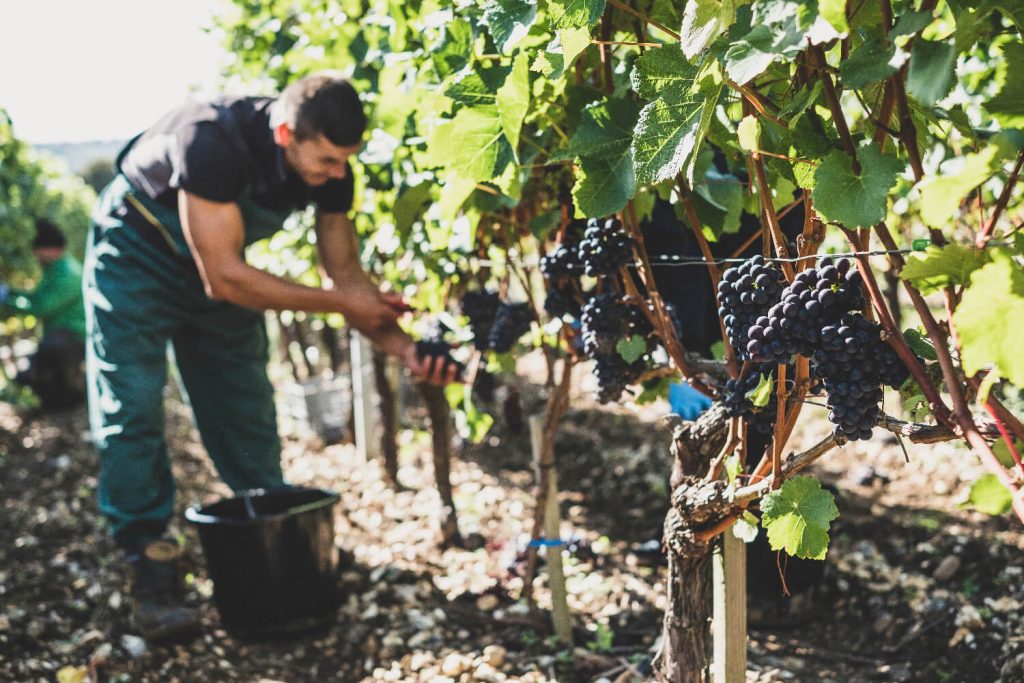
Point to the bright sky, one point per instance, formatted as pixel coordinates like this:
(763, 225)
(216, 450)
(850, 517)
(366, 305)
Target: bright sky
(76, 70)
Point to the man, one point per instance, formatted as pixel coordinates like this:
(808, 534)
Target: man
(166, 265)
(55, 371)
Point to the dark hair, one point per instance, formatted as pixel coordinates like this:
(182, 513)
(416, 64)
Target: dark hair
(48, 235)
(322, 104)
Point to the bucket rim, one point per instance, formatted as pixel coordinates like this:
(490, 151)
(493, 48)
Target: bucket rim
(194, 514)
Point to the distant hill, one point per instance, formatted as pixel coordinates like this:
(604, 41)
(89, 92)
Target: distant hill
(78, 155)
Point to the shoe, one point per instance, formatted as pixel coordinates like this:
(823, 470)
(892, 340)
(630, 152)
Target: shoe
(158, 608)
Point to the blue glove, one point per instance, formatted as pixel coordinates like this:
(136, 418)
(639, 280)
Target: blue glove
(687, 402)
(5, 292)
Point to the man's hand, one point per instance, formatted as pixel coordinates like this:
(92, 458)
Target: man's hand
(432, 369)
(396, 301)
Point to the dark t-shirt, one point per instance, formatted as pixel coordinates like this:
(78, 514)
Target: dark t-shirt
(219, 149)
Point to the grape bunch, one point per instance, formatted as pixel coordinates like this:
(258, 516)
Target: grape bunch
(613, 375)
(561, 301)
(603, 321)
(816, 297)
(480, 308)
(561, 263)
(607, 318)
(745, 294)
(761, 420)
(605, 247)
(438, 348)
(511, 322)
(853, 363)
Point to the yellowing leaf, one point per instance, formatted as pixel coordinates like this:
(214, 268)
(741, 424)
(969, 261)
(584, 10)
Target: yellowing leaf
(940, 267)
(990, 320)
(73, 674)
(941, 194)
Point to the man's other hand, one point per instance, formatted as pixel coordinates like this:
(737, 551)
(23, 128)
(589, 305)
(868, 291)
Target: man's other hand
(432, 369)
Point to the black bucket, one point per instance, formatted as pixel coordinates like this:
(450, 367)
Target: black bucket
(272, 559)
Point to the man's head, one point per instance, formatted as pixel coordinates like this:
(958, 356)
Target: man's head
(49, 242)
(319, 122)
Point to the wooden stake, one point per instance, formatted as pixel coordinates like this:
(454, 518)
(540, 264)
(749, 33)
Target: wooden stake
(552, 532)
(363, 390)
(729, 571)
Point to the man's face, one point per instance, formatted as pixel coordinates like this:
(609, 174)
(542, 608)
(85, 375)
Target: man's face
(47, 255)
(316, 160)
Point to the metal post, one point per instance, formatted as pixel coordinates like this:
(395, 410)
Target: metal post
(364, 408)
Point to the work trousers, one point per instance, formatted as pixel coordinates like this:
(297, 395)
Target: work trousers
(143, 295)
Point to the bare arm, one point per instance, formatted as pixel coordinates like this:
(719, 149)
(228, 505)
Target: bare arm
(215, 233)
(339, 258)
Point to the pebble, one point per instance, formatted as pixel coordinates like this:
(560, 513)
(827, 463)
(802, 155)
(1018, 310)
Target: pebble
(420, 639)
(487, 674)
(454, 665)
(133, 645)
(494, 655)
(487, 603)
(970, 618)
(947, 568)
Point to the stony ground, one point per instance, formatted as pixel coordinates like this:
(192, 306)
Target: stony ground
(915, 587)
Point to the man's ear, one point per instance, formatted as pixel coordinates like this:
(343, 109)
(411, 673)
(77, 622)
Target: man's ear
(282, 134)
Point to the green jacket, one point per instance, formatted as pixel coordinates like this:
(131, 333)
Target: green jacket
(57, 300)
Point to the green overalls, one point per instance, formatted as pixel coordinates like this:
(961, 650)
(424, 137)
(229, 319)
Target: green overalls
(142, 291)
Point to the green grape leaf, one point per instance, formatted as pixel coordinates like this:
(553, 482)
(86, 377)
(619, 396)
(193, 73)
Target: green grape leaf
(561, 52)
(1002, 452)
(748, 131)
(937, 268)
(910, 23)
(513, 99)
(872, 62)
(508, 21)
(990, 319)
(834, 12)
(799, 103)
(408, 207)
(454, 194)
(761, 395)
(751, 55)
(920, 344)
(604, 185)
(662, 69)
(605, 130)
(931, 71)
(573, 41)
(1007, 107)
(631, 348)
(722, 205)
(478, 86)
(797, 518)
(452, 52)
(705, 20)
(850, 199)
(669, 133)
(989, 496)
(942, 193)
(478, 149)
(602, 143)
(575, 13)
